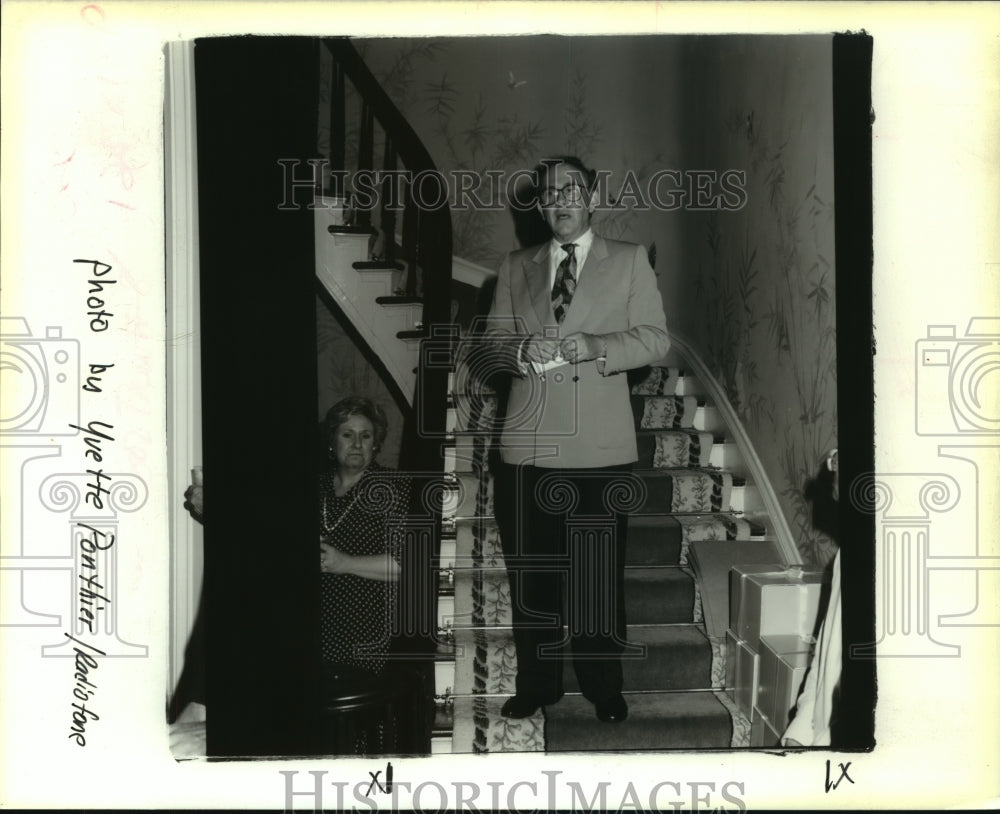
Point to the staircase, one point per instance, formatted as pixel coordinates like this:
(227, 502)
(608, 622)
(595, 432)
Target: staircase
(674, 687)
(693, 460)
(389, 287)
(366, 292)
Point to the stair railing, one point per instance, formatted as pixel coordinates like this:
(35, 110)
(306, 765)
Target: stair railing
(754, 466)
(426, 222)
(425, 251)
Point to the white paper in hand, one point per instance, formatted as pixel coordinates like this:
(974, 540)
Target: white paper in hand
(542, 367)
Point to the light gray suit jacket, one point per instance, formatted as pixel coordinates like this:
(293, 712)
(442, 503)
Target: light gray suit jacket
(576, 415)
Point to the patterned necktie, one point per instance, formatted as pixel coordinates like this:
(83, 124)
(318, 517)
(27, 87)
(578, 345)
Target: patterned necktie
(565, 283)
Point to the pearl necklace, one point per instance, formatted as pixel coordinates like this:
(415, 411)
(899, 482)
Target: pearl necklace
(343, 514)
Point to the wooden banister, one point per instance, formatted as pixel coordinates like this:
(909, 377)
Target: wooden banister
(427, 234)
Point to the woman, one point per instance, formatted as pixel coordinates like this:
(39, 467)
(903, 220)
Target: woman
(816, 708)
(362, 507)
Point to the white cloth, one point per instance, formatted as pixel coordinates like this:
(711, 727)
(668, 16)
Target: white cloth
(811, 725)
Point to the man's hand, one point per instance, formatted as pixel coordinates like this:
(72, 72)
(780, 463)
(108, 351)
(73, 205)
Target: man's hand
(540, 350)
(582, 347)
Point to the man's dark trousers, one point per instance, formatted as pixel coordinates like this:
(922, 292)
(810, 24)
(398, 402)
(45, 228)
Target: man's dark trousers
(563, 533)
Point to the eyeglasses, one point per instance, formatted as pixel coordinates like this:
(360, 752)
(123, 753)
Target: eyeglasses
(569, 194)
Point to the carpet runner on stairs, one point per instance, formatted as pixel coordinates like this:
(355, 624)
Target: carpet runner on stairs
(673, 688)
(664, 491)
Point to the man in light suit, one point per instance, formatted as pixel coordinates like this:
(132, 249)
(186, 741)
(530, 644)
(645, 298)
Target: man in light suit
(568, 318)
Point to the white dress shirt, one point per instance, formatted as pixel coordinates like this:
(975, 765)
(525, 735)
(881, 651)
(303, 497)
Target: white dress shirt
(556, 256)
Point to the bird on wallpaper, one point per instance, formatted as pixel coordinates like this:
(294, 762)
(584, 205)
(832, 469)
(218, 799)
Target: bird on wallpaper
(514, 85)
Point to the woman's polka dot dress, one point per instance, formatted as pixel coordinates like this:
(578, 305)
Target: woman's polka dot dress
(357, 613)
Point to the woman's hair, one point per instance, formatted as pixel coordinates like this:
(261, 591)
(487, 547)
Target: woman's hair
(819, 491)
(356, 405)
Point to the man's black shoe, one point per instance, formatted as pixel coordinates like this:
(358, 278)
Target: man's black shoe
(519, 706)
(611, 710)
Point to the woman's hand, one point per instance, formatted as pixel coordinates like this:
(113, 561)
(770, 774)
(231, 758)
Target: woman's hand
(379, 567)
(333, 560)
(194, 501)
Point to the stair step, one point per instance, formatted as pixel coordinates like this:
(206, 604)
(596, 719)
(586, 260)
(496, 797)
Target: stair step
(652, 540)
(489, 553)
(474, 413)
(444, 674)
(398, 299)
(665, 540)
(675, 657)
(337, 229)
(465, 416)
(444, 720)
(664, 381)
(338, 248)
(669, 449)
(377, 265)
(656, 448)
(460, 498)
(480, 728)
(675, 382)
(658, 596)
(459, 452)
(446, 557)
(395, 313)
(688, 491)
(411, 336)
(662, 720)
(676, 412)
(652, 596)
(657, 543)
(446, 612)
(441, 743)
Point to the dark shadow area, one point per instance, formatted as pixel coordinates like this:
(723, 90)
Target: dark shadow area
(529, 225)
(852, 111)
(266, 689)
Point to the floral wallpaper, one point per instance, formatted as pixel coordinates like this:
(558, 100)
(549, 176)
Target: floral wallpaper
(344, 370)
(763, 288)
(753, 289)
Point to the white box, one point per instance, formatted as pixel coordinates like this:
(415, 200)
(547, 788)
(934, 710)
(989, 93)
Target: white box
(763, 734)
(742, 670)
(783, 664)
(778, 603)
(737, 575)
